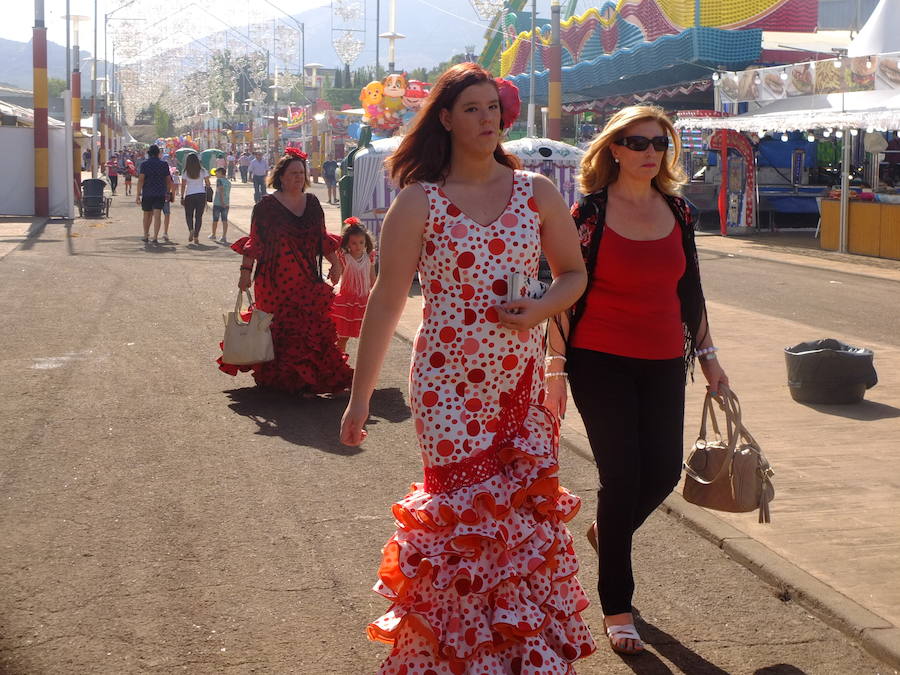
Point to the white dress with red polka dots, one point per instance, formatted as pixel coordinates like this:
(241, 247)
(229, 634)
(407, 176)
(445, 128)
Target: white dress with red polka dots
(481, 570)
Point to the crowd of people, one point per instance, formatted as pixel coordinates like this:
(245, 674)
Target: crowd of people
(481, 573)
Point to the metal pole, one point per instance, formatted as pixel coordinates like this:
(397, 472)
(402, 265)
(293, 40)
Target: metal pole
(41, 121)
(75, 111)
(95, 150)
(530, 124)
(377, 33)
(554, 93)
(845, 190)
(392, 27)
(68, 49)
(69, 141)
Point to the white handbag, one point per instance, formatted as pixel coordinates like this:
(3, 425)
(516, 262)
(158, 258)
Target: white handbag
(247, 342)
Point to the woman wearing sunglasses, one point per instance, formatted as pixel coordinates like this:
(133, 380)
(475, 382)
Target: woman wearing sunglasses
(631, 339)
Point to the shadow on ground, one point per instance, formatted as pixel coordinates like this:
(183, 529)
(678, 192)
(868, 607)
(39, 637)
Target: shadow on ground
(866, 411)
(683, 658)
(312, 422)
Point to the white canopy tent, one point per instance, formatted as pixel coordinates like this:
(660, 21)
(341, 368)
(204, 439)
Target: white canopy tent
(880, 33)
(879, 110)
(857, 109)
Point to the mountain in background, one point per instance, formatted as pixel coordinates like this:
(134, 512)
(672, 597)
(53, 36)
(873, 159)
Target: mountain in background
(16, 64)
(432, 37)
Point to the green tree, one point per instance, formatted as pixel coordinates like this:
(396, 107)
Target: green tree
(55, 87)
(162, 121)
(338, 79)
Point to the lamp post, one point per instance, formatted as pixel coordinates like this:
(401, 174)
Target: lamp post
(75, 96)
(530, 131)
(392, 35)
(302, 27)
(94, 130)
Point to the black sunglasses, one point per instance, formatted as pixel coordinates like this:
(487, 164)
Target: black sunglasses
(640, 143)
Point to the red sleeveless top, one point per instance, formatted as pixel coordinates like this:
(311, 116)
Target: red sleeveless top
(632, 305)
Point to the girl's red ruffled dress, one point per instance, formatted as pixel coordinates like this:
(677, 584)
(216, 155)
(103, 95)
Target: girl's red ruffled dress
(288, 284)
(352, 293)
(481, 570)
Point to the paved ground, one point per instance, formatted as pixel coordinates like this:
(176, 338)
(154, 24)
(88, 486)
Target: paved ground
(163, 517)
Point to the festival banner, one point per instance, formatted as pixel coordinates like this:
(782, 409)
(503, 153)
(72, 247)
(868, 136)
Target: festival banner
(295, 117)
(829, 76)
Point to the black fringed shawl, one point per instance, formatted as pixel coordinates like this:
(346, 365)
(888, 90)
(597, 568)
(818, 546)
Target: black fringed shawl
(590, 219)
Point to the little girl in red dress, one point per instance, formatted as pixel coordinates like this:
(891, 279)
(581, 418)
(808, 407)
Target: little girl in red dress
(357, 253)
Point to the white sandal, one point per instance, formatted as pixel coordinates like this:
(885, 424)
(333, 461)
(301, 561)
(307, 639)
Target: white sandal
(625, 631)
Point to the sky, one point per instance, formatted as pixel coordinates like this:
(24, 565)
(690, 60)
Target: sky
(18, 16)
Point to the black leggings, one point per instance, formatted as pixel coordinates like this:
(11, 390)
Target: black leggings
(633, 411)
(113, 182)
(194, 206)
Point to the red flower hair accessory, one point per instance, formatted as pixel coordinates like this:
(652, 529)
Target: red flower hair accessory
(352, 220)
(510, 104)
(296, 153)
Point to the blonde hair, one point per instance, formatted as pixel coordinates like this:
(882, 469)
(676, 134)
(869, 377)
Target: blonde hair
(599, 170)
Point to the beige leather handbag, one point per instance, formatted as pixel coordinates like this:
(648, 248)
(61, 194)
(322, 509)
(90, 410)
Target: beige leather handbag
(730, 474)
(247, 342)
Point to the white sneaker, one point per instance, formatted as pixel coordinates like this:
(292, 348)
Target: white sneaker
(223, 240)
(212, 236)
(165, 239)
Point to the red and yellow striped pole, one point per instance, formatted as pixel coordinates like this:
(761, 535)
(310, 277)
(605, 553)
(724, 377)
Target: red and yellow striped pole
(41, 122)
(76, 121)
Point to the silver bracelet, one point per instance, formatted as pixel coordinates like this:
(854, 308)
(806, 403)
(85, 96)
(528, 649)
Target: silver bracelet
(709, 356)
(559, 374)
(549, 359)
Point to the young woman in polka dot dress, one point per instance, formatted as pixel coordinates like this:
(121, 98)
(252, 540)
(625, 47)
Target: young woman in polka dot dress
(481, 570)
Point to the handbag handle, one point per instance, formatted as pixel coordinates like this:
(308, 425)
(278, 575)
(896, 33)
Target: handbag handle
(238, 306)
(749, 442)
(733, 425)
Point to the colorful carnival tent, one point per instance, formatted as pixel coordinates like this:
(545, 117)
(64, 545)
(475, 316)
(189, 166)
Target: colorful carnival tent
(373, 192)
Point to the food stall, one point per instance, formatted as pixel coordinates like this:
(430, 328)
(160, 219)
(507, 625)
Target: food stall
(853, 100)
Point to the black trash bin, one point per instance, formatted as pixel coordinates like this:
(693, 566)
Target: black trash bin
(829, 371)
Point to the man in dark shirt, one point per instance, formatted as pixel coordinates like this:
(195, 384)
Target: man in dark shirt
(329, 172)
(154, 186)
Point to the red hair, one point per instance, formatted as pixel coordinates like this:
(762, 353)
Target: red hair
(424, 153)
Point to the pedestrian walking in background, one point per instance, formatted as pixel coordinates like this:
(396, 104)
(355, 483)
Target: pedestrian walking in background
(329, 173)
(258, 169)
(112, 172)
(230, 159)
(130, 171)
(221, 202)
(170, 199)
(357, 255)
(630, 340)
(154, 185)
(287, 243)
(244, 165)
(194, 183)
(481, 573)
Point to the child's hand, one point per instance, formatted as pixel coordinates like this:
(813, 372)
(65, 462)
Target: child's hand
(355, 416)
(521, 314)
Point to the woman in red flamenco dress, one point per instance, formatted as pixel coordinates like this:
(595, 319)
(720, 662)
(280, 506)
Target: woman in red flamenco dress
(287, 242)
(481, 571)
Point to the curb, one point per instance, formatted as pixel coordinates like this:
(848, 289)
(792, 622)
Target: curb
(876, 635)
